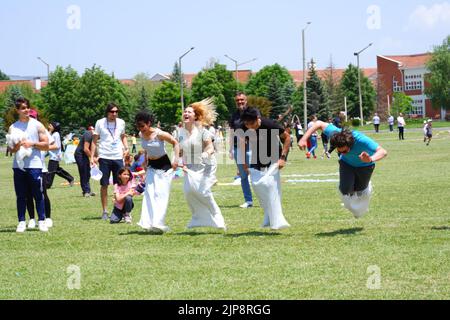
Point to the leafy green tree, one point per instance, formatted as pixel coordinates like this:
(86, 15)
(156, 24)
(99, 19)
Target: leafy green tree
(204, 85)
(274, 83)
(166, 104)
(95, 89)
(8, 98)
(401, 103)
(439, 78)
(349, 89)
(3, 76)
(60, 96)
(316, 94)
(334, 100)
(176, 75)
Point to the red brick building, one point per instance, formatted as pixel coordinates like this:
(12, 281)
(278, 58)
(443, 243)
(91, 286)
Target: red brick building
(405, 73)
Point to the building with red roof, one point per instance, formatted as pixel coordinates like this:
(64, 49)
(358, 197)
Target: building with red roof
(407, 74)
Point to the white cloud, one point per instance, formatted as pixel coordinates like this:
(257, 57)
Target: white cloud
(427, 18)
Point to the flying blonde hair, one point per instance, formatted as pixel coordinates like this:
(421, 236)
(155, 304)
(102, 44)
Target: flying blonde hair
(205, 111)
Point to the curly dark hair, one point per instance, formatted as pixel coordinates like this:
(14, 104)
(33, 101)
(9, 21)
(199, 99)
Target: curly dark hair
(145, 117)
(343, 139)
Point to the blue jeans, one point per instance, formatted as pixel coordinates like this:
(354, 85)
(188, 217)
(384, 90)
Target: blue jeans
(84, 169)
(313, 140)
(30, 178)
(245, 184)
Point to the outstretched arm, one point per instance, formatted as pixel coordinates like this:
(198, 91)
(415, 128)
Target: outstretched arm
(303, 143)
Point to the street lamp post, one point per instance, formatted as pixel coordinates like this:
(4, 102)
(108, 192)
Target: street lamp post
(237, 64)
(305, 110)
(359, 85)
(181, 79)
(48, 67)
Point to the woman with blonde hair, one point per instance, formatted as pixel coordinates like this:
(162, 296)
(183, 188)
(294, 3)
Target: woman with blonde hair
(200, 165)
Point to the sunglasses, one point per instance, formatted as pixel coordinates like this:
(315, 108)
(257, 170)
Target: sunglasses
(114, 111)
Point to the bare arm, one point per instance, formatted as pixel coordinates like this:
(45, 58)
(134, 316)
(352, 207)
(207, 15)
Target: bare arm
(379, 154)
(125, 145)
(302, 144)
(93, 147)
(286, 139)
(41, 145)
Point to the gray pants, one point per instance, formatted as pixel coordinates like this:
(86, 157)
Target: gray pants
(354, 179)
(118, 214)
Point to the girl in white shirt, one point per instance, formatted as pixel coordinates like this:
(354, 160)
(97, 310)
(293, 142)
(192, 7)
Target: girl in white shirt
(200, 165)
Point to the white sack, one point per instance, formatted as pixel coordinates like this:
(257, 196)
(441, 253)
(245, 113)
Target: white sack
(156, 200)
(358, 203)
(267, 186)
(198, 182)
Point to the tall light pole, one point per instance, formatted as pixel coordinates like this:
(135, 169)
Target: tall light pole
(48, 67)
(359, 85)
(181, 79)
(305, 109)
(237, 64)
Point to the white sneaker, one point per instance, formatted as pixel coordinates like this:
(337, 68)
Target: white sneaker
(31, 224)
(49, 222)
(246, 205)
(42, 226)
(21, 227)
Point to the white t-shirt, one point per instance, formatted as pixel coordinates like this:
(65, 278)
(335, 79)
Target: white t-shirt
(31, 129)
(376, 120)
(192, 144)
(400, 122)
(110, 138)
(391, 120)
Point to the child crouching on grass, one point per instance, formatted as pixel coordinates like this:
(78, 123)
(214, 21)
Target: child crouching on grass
(124, 191)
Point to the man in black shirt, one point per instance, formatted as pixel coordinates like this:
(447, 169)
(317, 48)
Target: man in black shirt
(264, 135)
(82, 157)
(264, 141)
(236, 123)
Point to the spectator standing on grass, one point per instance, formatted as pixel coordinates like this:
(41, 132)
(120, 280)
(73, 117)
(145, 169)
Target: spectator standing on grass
(401, 123)
(82, 156)
(133, 143)
(240, 159)
(391, 123)
(31, 175)
(112, 149)
(376, 122)
(47, 205)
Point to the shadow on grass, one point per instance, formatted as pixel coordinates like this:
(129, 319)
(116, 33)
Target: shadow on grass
(141, 233)
(441, 228)
(198, 233)
(8, 230)
(253, 234)
(344, 232)
(91, 218)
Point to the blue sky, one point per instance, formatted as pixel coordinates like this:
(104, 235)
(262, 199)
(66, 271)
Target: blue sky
(128, 37)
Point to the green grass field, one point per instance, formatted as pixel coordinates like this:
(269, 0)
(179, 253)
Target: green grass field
(326, 254)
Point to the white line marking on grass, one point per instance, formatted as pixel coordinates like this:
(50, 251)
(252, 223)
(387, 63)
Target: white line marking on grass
(310, 175)
(311, 181)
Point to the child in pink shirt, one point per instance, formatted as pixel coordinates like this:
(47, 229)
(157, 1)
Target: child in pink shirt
(124, 191)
